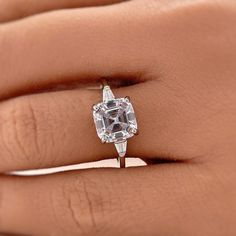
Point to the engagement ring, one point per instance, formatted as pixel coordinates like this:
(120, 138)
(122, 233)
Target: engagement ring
(115, 121)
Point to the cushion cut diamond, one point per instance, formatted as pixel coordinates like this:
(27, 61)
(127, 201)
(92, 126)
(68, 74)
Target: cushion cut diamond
(115, 120)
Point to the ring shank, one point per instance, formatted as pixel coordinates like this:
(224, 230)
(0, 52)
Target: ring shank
(122, 162)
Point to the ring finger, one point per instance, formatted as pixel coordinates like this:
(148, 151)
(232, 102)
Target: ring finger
(56, 128)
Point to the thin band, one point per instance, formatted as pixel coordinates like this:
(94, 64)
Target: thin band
(122, 161)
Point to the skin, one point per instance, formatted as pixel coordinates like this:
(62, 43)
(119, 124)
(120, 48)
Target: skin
(181, 57)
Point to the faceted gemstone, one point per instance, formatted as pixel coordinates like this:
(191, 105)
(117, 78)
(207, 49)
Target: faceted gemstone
(115, 120)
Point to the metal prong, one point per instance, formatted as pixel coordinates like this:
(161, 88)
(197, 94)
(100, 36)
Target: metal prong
(135, 131)
(95, 107)
(127, 98)
(103, 140)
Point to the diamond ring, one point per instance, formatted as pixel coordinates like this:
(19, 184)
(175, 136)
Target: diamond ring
(115, 121)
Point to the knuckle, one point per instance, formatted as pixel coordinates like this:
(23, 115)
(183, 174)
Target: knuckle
(86, 205)
(19, 131)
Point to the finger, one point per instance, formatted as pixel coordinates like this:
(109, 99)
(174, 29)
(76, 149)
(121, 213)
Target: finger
(16, 9)
(171, 199)
(170, 114)
(57, 128)
(70, 46)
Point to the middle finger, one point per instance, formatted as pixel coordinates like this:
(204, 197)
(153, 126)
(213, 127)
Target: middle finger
(61, 46)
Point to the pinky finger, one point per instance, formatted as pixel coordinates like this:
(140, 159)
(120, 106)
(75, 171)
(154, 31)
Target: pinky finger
(173, 199)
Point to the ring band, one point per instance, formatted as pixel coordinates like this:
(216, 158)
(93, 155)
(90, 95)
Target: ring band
(115, 121)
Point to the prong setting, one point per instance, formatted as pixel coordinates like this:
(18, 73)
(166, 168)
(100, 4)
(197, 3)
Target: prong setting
(104, 139)
(133, 130)
(95, 107)
(127, 98)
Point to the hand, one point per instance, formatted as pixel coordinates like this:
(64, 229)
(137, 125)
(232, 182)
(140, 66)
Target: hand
(179, 56)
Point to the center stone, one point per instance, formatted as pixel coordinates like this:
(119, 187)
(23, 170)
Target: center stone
(115, 120)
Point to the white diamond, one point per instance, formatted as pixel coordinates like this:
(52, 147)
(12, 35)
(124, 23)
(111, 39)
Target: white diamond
(115, 120)
(107, 94)
(121, 148)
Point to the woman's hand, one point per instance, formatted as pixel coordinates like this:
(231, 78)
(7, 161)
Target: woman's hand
(180, 57)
